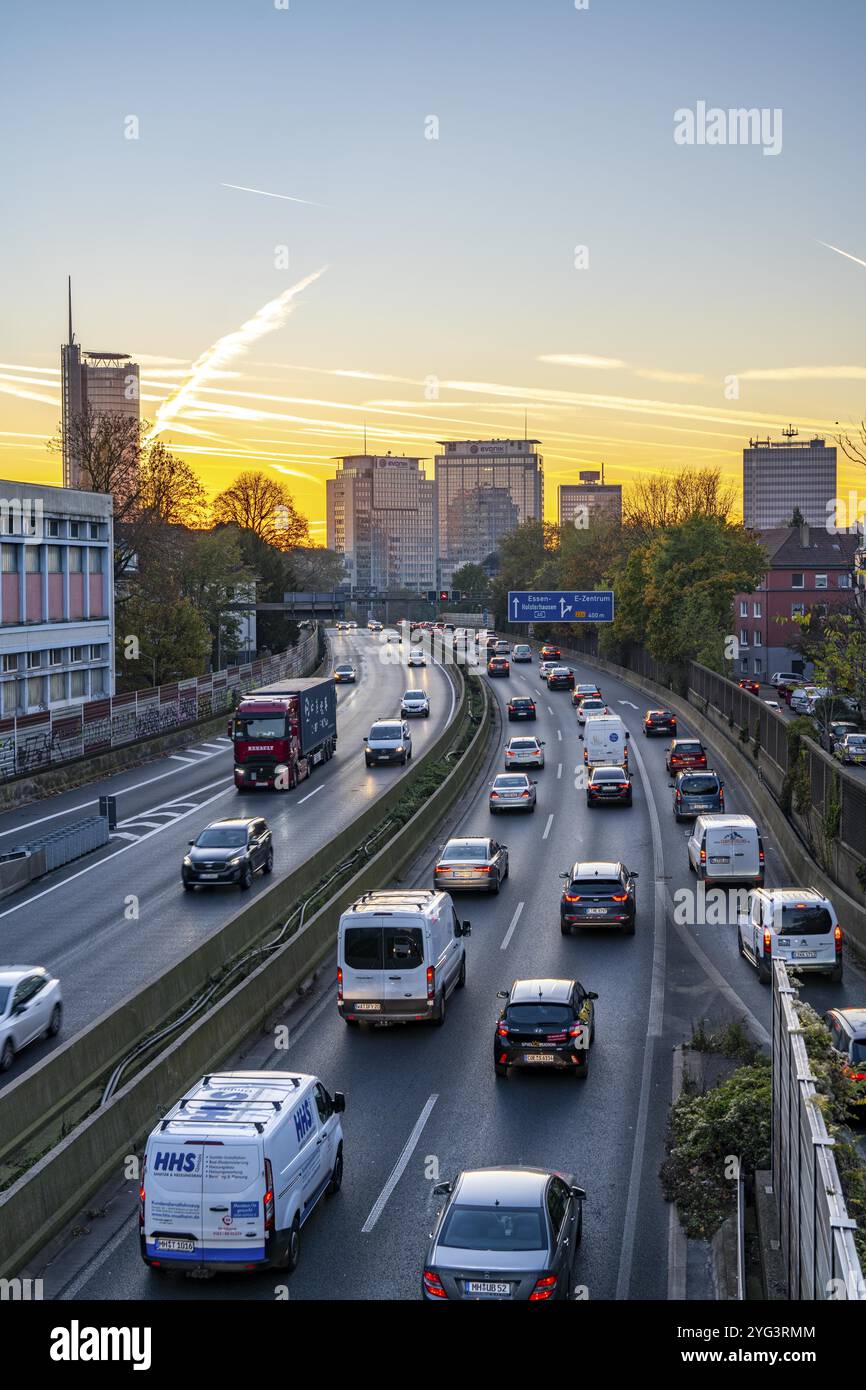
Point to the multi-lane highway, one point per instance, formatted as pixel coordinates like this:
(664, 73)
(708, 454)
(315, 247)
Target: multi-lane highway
(424, 1102)
(112, 922)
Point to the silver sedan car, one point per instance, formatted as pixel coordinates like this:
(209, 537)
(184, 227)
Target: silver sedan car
(512, 791)
(478, 865)
(31, 1007)
(524, 751)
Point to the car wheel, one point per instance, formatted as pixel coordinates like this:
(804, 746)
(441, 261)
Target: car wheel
(740, 950)
(367, 761)
(582, 1072)
(499, 1069)
(439, 1016)
(56, 1019)
(564, 928)
(461, 978)
(763, 972)
(187, 886)
(246, 879)
(628, 928)
(337, 1176)
(836, 974)
(293, 1247)
(692, 869)
(532, 808)
(7, 1055)
(268, 865)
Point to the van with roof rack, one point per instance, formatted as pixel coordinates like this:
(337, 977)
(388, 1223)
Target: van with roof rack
(236, 1168)
(400, 955)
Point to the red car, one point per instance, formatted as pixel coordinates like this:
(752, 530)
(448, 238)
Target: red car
(498, 666)
(685, 752)
(550, 654)
(753, 686)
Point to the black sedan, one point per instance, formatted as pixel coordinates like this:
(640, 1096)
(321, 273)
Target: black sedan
(505, 1234)
(608, 786)
(659, 721)
(521, 707)
(229, 851)
(545, 1023)
(598, 894)
(561, 678)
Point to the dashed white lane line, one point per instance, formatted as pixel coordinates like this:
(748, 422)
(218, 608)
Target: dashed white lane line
(399, 1167)
(559, 735)
(217, 746)
(515, 919)
(177, 758)
(547, 827)
(320, 788)
(559, 771)
(550, 709)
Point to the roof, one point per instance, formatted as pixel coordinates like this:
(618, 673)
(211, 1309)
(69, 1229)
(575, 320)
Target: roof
(785, 549)
(393, 899)
(795, 895)
(595, 868)
(11, 974)
(520, 1187)
(268, 1093)
(550, 991)
(855, 1018)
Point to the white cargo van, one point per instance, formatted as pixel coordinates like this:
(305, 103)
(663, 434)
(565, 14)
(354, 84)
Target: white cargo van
(400, 953)
(605, 741)
(726, 849)
(796, 925)
(235, 1168)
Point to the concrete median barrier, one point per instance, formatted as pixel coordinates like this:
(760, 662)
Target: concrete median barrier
(38, 1205)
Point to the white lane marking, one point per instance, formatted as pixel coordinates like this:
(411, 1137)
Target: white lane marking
(148, 824)
(515, 919)
(559, 735)
(71, 1291)
(627, 702)
(7, 912)
(547, 827)
(558, 771)
(200, 754)
(653, 1030)
(399, 1167)
(122, 835)
(550, 709)
(217, 746)
(176, 758)
(320, 788)
(168, 807)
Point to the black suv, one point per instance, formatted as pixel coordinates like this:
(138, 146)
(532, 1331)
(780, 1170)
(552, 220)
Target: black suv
(521, 707)
(598, 894)
(229, 851)
(659, 721)
(545, 1023)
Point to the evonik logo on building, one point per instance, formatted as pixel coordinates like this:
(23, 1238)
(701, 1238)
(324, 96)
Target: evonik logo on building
(77, 1343)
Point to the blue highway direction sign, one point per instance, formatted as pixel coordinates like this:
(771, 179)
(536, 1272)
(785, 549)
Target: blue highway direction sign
(561, 606)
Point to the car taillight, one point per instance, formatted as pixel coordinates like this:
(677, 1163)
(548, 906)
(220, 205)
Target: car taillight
(575, 1030)
(502, 1030)
(269, 1196)
(768, 943)
(544, 1288)
(760, 856)
(571, 897)
(494, 796)
(141, 1193)
(622, 786)
(433, 1284)
(837, 937)
(679, 796)
(431, 984)
(340, 983)
(524, 795)
(703, 856)
(619, 897)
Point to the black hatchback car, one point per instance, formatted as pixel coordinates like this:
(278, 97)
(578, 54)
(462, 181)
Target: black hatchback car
(561, 678)
(521, 707)
(545, 1023)
(505, 1234)
(598, 894)
(659, 721)
(229, 851)
(608, 785)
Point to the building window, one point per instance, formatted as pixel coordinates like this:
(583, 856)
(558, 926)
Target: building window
(75, 554)
(843, 581)
(76, 654)
(744, 665)
(798, 610)
(32, 559)
(52, 528)
(96, 652)
(759, 665)
(10, 559)
(57, 686)
(94, 530)
(744, 608)
(820, 581)
(10, 661)
(34, 690)
(34, 659)
(74, 529)
(756, 610)
(77, 683)
(53, 557)
(10, 697)
(797, 581)
(756, 638)
(55, 656)
(98, 681)
(744, 636)
(97, 558)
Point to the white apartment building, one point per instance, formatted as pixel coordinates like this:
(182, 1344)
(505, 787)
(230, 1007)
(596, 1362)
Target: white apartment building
(485, 488)
(381, 516)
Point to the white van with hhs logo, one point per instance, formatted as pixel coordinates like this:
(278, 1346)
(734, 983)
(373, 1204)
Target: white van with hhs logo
(235, 1168)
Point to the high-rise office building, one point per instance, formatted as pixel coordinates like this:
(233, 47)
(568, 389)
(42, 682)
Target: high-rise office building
(591, 497)
(381, 516)
(466, 472)
(779, 477)
(107, 383)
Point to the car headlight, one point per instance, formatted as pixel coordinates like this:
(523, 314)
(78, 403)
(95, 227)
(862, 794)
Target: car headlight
(187, 862)
(401, 749)
(238, 859)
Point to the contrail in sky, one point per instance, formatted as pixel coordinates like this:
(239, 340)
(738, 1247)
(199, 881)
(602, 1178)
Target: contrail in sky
(840, 252)
(266, 194)
(270, 317)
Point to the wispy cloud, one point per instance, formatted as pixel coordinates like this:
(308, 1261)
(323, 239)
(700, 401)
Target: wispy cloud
(677, 378)
(840, 252)
(265, 193)
(803, 374)
(270, 317)
(578, 359)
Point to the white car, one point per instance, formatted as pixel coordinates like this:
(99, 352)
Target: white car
(31, 1007)
(784, 678)
(590, 704)
(545, 669)
(415, 702)
(773, 704)
(523, 751)
(416, 658)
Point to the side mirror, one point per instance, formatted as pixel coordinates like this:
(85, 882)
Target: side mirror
(565, 875)
(442, 1189)
(672, 785)
(190, 842)
(339, 1102)
(627, 734)
(229, 728)
(634, 874)
(580, 736)
(591, 994)
(502, 994)
(578, 1194)
(466, 928)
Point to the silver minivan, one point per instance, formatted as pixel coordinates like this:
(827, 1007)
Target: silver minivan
(696, 790)
(796, 925)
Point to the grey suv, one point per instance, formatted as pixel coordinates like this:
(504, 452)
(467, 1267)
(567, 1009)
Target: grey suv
(229, 851)
(389, 741)
(696, 792)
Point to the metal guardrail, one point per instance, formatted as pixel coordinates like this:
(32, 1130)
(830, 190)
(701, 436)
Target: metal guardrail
(741, 1231)
(69, 842)
(817, 1240)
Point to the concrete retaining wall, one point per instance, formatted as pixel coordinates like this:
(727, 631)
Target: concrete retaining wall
(37, 1206)
(29, 1104)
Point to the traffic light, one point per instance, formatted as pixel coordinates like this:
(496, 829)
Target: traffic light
(431, 595)
(456, 595)
(444, 595)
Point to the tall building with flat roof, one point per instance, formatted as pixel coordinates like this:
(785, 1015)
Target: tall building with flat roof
(591, 497)
(106, 383)
(381, 517)
(496, 483)
(779, 477)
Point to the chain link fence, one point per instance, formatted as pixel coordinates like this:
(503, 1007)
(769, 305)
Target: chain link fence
(817, 1240)
(34, 742)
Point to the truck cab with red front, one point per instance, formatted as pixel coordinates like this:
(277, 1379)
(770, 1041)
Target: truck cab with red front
(282, 731)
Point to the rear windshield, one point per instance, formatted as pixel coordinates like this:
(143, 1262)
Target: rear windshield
(683, 747)
(521, 701)
(404, 947)
(362, 948)
(608, 774)
(812, 920)
(537, 1015)
(699, 785)
(598, 887)
(478, 850)
(499, 1228)
(510, 782)
(386, 731)
(227, 837)
(523, 743)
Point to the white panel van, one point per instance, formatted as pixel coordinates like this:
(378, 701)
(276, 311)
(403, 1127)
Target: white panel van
(605, 741)
(796, 925)
(726, 849)
(400, 954)
(235, 1169)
